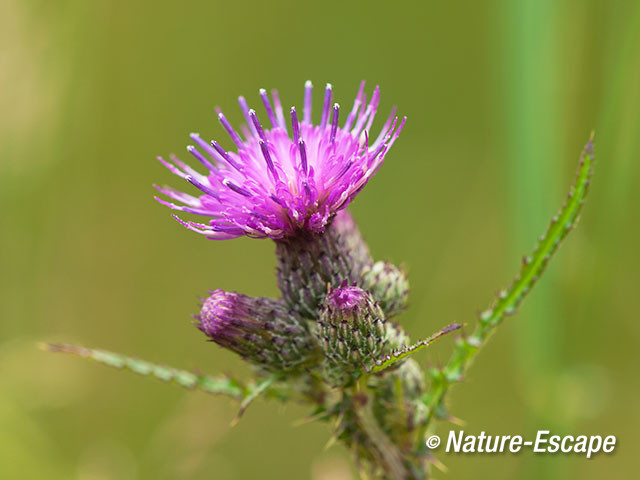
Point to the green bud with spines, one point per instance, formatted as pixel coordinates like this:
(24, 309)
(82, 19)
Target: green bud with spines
(389, 285)
(353, 333)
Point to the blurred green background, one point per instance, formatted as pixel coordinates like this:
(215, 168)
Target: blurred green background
(500, 99)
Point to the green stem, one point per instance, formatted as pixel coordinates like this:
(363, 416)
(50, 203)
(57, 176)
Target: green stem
(389, 455)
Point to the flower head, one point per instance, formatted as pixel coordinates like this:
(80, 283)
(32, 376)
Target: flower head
(278, 182)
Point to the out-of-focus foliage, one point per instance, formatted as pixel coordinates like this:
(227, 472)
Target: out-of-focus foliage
(499, 97)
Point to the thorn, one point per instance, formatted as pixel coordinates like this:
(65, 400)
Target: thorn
(64, 348)
(332, 441)
(456, 421)
(310, 419)
(243, 408)
(589, 146)
(48, 347)
(439, 465)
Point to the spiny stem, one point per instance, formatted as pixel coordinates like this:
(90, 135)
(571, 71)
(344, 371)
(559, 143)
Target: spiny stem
(182, 378)
(508, 300)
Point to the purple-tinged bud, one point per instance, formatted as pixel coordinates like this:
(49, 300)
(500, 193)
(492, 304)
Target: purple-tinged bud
(261, 330)
(353, 333)
(308, 263)
(389, 286)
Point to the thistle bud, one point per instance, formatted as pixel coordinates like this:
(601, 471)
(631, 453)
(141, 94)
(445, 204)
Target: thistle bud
(308, 262)
(353, 332)
(261, 330)
(389, 286)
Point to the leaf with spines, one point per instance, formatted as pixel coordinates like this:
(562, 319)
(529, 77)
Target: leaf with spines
(533, 266)
(509, 299)
(182, 378)
(408, 350)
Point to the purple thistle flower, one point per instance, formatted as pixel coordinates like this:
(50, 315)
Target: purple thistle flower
(276, 184)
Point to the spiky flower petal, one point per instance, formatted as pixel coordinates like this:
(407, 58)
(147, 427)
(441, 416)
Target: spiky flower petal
(274, 183)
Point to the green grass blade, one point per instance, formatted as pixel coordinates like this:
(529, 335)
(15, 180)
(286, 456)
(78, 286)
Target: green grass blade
(182, 378)
(408, 350)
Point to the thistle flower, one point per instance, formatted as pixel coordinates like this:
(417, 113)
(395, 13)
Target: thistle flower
(277, 184)
(261, 330)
